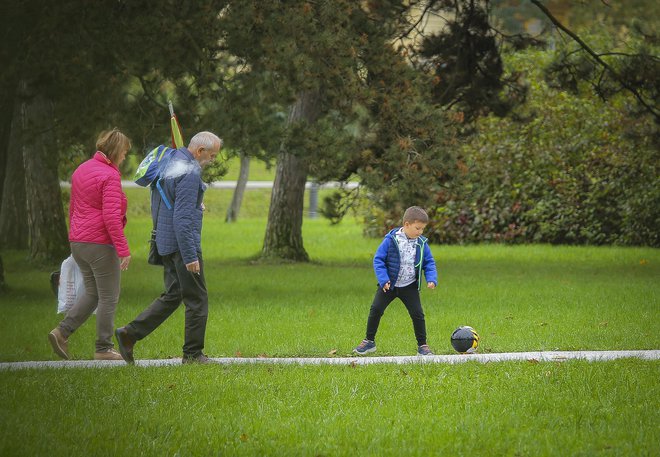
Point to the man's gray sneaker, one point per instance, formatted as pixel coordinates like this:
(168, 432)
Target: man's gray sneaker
(202, 359)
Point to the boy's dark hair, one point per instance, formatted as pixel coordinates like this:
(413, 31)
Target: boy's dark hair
(415, 214)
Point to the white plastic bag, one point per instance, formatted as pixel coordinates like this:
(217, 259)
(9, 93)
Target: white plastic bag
(71, 285)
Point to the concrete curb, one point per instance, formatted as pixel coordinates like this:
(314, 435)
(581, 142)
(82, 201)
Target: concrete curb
(533, 357)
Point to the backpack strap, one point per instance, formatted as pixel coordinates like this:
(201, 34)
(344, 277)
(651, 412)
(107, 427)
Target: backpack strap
(162, 194)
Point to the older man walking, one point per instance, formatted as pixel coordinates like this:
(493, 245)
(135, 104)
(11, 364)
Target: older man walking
(178, 210)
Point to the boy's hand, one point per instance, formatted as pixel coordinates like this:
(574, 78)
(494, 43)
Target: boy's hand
(386, 287)
(430, 285)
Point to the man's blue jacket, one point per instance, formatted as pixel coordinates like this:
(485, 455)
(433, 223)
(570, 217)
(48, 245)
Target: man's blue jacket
(387, 261)
(180, 217)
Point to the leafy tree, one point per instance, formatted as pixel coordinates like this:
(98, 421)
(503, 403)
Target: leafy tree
(610, 72)
(31, 133)
(315, 53)
(66, 93)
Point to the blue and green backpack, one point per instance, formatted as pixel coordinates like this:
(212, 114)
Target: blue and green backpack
(149, 171)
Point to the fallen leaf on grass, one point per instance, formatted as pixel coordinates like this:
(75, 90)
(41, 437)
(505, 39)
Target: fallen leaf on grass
(533, 361)
(333, 352)
(238, 354)
(244, 437)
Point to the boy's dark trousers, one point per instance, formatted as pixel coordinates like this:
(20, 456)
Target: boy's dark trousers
(409, 295)
(180, 285)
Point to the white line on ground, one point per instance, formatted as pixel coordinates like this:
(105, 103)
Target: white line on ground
(555, 356)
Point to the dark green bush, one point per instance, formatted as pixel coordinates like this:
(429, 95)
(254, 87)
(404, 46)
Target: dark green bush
(577, 171)
(567, 168)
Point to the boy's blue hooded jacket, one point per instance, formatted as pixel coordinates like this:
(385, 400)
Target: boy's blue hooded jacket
(387, 261)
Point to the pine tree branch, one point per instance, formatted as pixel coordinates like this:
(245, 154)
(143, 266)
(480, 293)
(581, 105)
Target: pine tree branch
(149, 94)
(598, 59)
(422, 16)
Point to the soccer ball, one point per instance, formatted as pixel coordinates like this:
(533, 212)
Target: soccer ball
(465, 340)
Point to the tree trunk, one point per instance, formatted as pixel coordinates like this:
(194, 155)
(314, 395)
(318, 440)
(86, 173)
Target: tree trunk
(283, 238)
(13, 207)
(3, 286)
(237, 199)
(46, 222)
(6, 114)
(284, 229)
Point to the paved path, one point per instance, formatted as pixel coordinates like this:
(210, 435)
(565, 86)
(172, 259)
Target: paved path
(533, 357)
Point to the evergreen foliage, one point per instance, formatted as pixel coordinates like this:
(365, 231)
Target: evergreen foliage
(467, 65)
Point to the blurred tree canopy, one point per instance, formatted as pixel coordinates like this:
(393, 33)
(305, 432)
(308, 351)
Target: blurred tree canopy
(504, 185)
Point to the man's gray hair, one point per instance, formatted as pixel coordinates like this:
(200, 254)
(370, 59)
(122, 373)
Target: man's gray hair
(206, 140)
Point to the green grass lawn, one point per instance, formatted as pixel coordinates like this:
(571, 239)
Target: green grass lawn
(546, 409)
(519, 298)
(259, 171)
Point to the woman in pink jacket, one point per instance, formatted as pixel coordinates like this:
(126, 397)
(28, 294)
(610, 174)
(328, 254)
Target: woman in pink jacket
(97, 214)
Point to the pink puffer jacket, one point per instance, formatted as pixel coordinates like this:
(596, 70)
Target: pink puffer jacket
(97, 212)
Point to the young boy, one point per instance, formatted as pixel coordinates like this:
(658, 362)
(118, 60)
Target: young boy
(398, 264)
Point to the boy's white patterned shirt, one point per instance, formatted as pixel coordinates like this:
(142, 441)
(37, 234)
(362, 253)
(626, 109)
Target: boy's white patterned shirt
(407, 254)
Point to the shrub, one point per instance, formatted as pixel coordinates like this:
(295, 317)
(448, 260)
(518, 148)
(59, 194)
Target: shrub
(566, 168)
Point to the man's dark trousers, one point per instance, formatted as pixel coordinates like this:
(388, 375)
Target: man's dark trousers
(180, 284)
